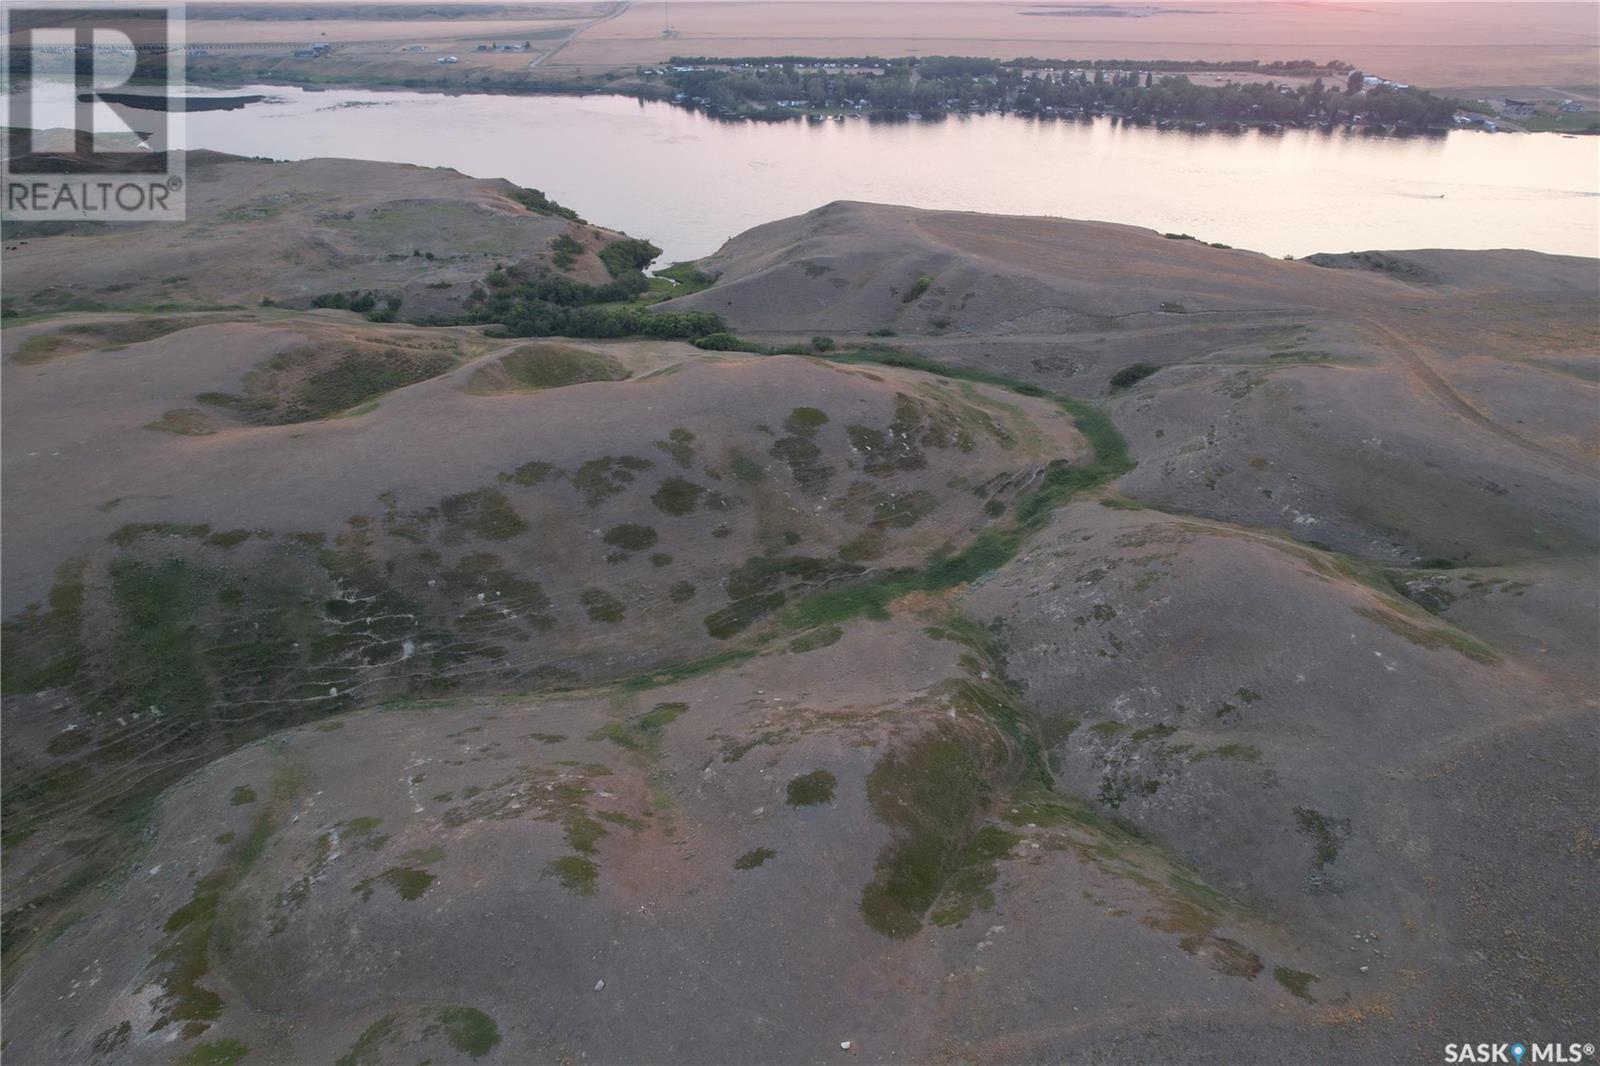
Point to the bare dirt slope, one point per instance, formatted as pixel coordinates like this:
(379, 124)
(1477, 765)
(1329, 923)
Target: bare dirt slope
(1108, 645)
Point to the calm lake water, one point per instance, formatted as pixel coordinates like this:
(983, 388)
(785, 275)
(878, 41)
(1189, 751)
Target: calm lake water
(689, 182)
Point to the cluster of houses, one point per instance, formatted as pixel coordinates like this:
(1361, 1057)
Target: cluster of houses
(315, 51)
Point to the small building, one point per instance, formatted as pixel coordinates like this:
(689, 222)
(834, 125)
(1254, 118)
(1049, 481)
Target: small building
(447, 59)
(1517, 108)
(415, 48)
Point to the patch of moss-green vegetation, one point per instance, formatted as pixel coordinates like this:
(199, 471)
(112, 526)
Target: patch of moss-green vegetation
(923, 283)
(808, 790)
(214, 1053)
(184, 958)
(564, 251)
(241, 795)
(469, 1031)
(601, 606)
(677, 496)
(1237, 752)
(906, 509)
(600, 479)
(368, 1047)
(409, 883)
(42, 648)
(746, 469)
(679, 445)
(1298, 982)
(540, 204)
(863, 548)
(530, 474)
(575, 874)
(1431, 636)
(642, 734)
(671, 675)
(969, 887)
(423, 856)
(1326, 834)
(930, 794)
(484, 512)
(631, 537)
(821, 637)
(1131, 375)
(754, 592)
(753, 858)
(551, 366)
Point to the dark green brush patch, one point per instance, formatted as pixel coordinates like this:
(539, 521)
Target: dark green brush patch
(601, 606)
(808, 790)
(575, 873)
(214, 1053)
(185, 954)
(677, 496)
(1237, 752)
(129, 535)
(1326, 834)
(468, 1030)
(746, 469)
(739, 615)
(681, 592)
(821, 637)
(1131, 375)
(929, 794)
(679, 445)
(751, 859)
(918, 287)
(484, 512)
(969, 887)
(530, 474)
(863, 548)
(229, 539)
(242, 794)
(368, 1047)
(408, 883)
(1298, 982)
(631, 537)
(669, 675)
(600, 479)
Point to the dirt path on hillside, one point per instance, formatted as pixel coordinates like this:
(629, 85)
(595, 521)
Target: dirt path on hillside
(1413, 354)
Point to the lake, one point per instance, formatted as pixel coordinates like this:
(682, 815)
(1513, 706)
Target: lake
(688, 182)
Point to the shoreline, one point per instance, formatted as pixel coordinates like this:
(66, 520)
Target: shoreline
(884, 116)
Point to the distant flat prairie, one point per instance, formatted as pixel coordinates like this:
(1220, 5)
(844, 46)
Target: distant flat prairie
(1432, 44)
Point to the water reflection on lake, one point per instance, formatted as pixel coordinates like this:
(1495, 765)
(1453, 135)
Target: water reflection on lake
(688, 182)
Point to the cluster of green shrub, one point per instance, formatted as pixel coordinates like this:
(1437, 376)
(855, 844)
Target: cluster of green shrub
(723, 341)
(525, 304)
(535, 200)
(365, 303)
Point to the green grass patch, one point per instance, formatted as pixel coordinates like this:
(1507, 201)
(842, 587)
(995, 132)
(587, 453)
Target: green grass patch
(1298, 982)
(754, 858)
(809, 790)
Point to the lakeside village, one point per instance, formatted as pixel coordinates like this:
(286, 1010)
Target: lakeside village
(1298, 94)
